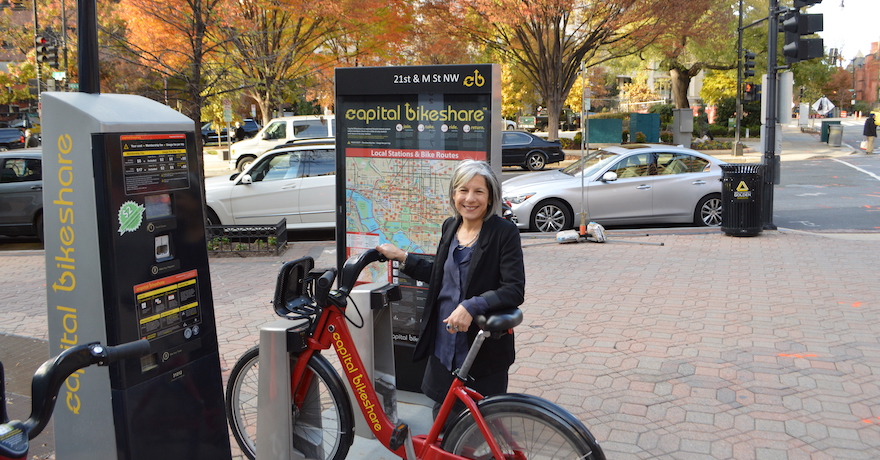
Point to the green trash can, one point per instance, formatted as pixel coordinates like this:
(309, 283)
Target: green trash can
(826, 129)
(742, 185)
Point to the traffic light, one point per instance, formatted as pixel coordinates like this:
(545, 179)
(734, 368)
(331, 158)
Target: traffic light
(42, 44)
(751, 92)
(47, 51)
(795, 25)
(748, 64)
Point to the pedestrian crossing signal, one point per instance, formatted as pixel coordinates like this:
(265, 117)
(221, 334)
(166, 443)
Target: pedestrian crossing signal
(751, 92)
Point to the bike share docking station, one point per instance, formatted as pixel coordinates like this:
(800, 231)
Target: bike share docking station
(126, 259)
(278, 339)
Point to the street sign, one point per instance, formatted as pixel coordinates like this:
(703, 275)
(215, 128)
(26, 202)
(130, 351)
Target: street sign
(227, 110)
(59, 75)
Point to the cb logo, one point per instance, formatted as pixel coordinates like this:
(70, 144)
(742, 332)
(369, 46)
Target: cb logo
(475, 80)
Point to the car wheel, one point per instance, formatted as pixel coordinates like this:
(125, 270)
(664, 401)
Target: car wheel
(211, 217)
(536, 161)
(708, 212)
(551, 216)
(244, 162)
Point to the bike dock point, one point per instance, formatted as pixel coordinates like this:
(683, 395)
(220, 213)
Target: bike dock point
(375, 347)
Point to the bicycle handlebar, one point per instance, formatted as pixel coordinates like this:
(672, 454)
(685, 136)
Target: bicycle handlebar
(52, 374)
(353, 267)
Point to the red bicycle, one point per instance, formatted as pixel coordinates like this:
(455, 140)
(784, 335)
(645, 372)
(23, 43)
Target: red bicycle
(508, 426)
(15, 435)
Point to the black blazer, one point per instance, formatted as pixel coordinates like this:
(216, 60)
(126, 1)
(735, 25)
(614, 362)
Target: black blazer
(496, 273)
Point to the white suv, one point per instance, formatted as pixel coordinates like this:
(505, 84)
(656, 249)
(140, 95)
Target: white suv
(279, 131)
(297, 183)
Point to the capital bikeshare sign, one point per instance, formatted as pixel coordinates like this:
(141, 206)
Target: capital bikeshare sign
(400, 133)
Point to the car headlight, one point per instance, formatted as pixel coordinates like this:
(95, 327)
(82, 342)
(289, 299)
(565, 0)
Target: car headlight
(518, 198)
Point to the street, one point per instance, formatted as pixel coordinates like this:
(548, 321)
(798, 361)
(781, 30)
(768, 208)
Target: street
(829, 194)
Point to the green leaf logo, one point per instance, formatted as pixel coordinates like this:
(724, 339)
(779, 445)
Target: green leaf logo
(131, 215)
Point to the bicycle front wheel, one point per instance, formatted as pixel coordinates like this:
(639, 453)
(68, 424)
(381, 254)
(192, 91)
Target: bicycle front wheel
(524, 427)
(323, 424)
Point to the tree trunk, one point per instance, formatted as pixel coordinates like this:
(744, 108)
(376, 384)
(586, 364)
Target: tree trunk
(681, 81)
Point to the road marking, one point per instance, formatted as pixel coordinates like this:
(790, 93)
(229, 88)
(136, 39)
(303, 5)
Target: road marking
(858, 168)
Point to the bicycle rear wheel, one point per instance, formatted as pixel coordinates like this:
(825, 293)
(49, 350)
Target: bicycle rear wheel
(531, 426)
(323, 425)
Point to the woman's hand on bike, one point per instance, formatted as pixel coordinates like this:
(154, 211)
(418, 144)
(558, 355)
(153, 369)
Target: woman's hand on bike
(392, 252)
(459, 321)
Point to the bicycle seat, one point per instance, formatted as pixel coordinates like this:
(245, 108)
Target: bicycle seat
(500, 320)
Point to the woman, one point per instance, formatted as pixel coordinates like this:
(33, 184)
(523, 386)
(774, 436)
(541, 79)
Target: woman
(478, 268)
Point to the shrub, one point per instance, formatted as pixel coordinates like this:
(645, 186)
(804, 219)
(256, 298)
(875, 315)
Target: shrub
(666, 137)
(711, 145)
(665, 111)
(641, 138)
(719, 130)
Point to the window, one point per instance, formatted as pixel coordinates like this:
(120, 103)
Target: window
(310, 128)
(21, 170)
(634, 166)
(515, 138)
(278, 167)
(680, 163)
(277, 130)
(321, 162)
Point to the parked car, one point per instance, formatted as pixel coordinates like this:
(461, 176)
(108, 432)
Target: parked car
(279, 131)
(509, 125)
(315, 141)
(21, 193)
(297, 183)
(622, 185)
(519, 148)
(209, 134)
(11, 138)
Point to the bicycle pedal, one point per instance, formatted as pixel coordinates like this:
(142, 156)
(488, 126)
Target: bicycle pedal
(398, 436)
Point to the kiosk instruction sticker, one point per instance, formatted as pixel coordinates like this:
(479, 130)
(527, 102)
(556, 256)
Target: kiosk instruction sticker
(169, 305)
(154, 162)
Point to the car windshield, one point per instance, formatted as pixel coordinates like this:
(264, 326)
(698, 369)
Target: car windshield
(592, 163)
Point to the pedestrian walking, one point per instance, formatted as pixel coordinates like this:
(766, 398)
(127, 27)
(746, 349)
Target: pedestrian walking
(870, 133)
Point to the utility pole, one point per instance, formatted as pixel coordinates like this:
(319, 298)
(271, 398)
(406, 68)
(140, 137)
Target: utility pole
(737, 145)
(36, 61)
(771, 159)
(796, 48)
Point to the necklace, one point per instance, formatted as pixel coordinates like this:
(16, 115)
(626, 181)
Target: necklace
(469, 243)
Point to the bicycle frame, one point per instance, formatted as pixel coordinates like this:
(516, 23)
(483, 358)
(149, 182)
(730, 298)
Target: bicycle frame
(332, 330)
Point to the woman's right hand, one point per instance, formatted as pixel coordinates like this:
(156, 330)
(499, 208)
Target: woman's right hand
(392, 252)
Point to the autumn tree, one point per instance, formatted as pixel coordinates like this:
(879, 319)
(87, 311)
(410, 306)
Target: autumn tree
(15, 83)
(174, 39)
(548, 39)
(595, 85)
(717, 86)
(838, 87)
(293, 45)
(700, 37)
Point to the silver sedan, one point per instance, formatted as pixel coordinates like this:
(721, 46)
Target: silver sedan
(620, 185)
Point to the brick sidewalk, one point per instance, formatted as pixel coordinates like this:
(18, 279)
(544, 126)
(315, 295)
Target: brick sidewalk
(704, 347)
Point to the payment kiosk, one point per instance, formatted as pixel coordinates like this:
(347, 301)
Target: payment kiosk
(126, 258)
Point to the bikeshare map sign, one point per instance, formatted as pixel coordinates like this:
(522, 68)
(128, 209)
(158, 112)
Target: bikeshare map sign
(400, 133)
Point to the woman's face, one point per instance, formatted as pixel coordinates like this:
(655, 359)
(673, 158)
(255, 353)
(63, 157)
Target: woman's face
(472, 199)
